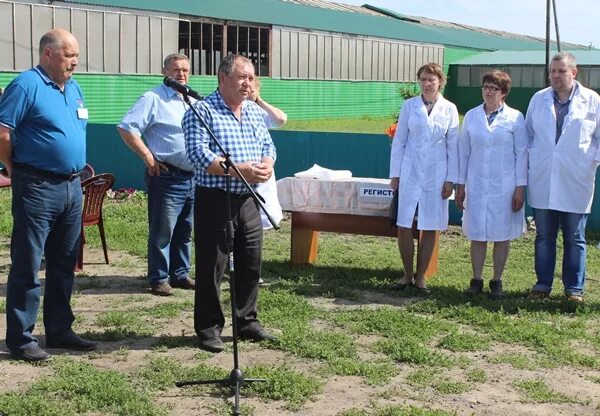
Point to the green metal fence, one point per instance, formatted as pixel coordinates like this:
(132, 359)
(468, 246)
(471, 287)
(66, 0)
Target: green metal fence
(366, 155)
(108, 97)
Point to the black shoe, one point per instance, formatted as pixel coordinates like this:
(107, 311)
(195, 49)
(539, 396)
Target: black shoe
(255, 333)
(423, 291)
(70, 341)
(214, 344)
(475, 287)
(186, 283)
(32, 354)
(496, 291)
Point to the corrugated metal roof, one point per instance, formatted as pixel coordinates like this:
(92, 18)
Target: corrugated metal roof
(589, 57)
(284, 13)
(335, 6)
(370, 9)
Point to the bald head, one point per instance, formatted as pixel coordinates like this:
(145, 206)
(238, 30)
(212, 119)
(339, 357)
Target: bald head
(59, 53)
(55, 39)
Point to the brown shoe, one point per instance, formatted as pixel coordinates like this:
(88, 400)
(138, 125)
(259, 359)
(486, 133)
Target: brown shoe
(575, 298)
(186, 283)
(162, 289)
(538, 295)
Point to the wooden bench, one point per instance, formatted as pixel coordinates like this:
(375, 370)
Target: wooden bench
(306, 227)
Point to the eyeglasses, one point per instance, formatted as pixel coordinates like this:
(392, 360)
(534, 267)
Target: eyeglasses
(492, 88)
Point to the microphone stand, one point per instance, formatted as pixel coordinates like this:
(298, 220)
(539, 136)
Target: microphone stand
(236, 377)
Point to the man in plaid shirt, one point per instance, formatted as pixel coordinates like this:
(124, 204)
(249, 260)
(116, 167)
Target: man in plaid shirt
(238, 124)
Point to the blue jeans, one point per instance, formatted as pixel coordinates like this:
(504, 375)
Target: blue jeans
(170, 222)
(46, 221)
(547, 223)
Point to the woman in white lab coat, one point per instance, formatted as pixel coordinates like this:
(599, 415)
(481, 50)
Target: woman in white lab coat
(423, 169)
(492, 179)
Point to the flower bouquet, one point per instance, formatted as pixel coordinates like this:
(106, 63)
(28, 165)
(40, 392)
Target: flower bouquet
(391, 130)
(121, 194)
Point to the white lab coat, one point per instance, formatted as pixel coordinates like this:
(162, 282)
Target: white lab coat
(492, 163)
(424, 156)
(561, 175)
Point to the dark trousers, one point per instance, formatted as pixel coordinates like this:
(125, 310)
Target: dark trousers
(210, 221)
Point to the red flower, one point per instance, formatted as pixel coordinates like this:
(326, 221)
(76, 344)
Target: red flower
(391, 130)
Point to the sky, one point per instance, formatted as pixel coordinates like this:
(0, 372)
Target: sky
(578, 20)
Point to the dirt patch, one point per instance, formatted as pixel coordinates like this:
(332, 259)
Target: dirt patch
(118, 286)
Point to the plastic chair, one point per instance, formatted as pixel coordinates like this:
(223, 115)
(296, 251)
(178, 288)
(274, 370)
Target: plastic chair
(88, 172)
(4, 180)
(94, 190)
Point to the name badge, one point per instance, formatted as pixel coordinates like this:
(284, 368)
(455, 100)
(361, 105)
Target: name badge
(82, 113)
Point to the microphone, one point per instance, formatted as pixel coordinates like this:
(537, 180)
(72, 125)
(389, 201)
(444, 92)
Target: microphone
(181, 88)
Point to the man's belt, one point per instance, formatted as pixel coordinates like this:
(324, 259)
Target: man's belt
(175, 169)
(47, 174)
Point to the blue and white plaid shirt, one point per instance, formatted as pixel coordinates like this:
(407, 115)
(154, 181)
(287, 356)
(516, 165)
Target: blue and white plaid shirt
(246, 140)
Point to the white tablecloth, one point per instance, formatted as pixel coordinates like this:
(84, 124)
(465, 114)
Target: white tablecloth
(356, 196)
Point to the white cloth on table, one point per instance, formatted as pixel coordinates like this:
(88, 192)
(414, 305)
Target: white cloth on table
(318, 172)
(356, 196)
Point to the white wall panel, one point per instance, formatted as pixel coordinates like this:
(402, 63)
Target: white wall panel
(7, 43)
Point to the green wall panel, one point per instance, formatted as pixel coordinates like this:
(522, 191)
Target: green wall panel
(303, 99)
(108, 97)
(6, 77)
(452, 55)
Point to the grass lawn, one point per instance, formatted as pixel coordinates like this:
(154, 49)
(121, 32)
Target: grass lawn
(341, 329)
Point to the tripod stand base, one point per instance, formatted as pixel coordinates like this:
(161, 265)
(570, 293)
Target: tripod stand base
(235, 381)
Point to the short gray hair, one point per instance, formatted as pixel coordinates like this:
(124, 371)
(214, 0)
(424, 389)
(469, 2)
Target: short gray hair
(174, 57)
(567, 57)
(226, 66)
(51, 40)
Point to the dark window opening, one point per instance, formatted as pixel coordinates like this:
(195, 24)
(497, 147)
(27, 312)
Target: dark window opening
(204, 44)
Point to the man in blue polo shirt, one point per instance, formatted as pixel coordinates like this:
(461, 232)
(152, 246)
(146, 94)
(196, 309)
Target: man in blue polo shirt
(42, 145)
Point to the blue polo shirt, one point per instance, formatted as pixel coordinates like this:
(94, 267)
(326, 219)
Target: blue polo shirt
(48, 130)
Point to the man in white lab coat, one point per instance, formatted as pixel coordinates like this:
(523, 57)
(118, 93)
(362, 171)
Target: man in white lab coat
(563, 125)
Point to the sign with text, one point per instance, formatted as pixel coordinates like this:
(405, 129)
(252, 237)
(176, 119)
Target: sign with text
(377, 194)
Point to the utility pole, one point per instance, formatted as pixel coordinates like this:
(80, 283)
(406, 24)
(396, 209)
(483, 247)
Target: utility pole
(547, 63)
